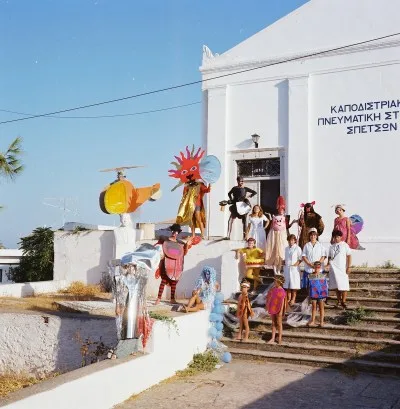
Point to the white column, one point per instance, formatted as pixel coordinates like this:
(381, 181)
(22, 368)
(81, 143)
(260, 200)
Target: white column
(216, 144)
(298, 177)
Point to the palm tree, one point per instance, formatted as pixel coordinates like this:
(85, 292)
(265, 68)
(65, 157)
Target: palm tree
(10, 164)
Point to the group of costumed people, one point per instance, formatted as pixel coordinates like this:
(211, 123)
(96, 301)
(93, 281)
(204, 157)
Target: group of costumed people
(269, 243)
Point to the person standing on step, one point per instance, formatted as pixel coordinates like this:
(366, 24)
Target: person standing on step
(253, 258)
(244, 311)
(308, 219)
(313, 251)
(171, 265)
(318, 293)
(291, 272)
(256, 227)
(237, 194)
(343, 224)
(277, 238)
(339, 261)
(276, 307)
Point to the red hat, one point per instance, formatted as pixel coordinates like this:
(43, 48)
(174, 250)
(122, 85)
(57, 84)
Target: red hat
(280, 203)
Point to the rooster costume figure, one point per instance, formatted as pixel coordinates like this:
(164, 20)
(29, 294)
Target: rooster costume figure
(192, 170)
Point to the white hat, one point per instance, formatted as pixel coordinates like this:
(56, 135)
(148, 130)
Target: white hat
(312, 230)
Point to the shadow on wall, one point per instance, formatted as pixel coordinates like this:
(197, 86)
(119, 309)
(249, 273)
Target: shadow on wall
(94, 274)
(82, 340)
(27, 290)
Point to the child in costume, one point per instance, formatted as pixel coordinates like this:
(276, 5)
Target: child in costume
(343, 224)
(318, 294)
(339, 261)
(204, 292)
(256, 227)
(313, 251)
(276, 307)
(277, 238)
(253, 258)
(291, 270)
(244, 311)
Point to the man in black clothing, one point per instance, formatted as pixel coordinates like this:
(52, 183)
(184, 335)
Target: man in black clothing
(238, 194)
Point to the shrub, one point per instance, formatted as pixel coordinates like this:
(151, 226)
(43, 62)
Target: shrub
(79, 288)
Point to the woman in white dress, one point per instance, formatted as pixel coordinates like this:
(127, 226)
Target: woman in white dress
(339, 260)
(291, 272)
(255, 227)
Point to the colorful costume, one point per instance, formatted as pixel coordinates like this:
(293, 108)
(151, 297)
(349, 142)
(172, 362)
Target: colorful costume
(341, 224)
(338, 278)
(312, 253)
(292, 274)
(277, 239)
(253, 260)
(318, 286)
(257, 231)
(275, 300)
(171, 266)
(192, 201)
(207, 283)
(191, 170)
(307, 220)
(244, 308)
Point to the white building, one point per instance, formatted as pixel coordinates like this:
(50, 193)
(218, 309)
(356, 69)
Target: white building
(328, 123)
(9, 258)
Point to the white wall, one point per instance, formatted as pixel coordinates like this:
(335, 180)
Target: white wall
(360, 170)
(284, 101)
(52, 344)
(115, 381)
(31, 288)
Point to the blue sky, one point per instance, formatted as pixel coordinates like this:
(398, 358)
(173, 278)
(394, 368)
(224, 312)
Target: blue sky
(57, 54)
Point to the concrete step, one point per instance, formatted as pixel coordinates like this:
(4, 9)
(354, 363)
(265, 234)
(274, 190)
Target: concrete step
(320, 361)
(385, 292)
(375, 283)
(308, 335)
(369, 301)
(376, 273)
(362, 330)
(314, 350)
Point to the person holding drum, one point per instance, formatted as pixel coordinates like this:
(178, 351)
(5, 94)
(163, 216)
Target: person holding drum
(240, 206)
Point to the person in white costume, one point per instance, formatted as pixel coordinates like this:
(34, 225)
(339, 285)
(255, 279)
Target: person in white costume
(255, 227)
(313, 251)
(291, 272)
(339, 260)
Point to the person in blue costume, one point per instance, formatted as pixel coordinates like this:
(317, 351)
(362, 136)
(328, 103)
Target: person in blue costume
(204, 291)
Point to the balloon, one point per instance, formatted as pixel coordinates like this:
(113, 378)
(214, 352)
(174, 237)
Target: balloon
(218, 334)
(213, 344)
(227, 357)
(212, 332)
(218, 309)
(213, 317)
(219, 317)
(219, 297)
(219, 326)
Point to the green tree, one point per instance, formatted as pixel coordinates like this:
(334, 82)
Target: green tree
(37, 257)
(10, 164)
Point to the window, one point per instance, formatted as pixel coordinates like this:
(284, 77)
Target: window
(259, 167)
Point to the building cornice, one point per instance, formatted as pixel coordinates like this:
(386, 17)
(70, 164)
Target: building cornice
(212, 64)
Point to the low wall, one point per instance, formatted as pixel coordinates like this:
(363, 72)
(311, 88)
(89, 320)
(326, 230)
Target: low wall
(51, 342)
(32, 288)
(110, 382)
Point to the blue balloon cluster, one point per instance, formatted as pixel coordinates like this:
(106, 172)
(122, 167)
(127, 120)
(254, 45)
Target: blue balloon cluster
(216, 327)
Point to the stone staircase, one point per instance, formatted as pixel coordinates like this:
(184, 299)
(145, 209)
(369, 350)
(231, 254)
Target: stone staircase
(372, 344)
